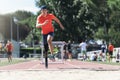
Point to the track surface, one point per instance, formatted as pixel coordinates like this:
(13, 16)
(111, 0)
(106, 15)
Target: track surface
(74, 64)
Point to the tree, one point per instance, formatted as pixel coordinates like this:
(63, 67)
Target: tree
(114, 36)
(110, 18)
(76, 16)
(103, 19)
(115, 13)
(85, 18)
(26, 20)
(22, 15)
(115, 21)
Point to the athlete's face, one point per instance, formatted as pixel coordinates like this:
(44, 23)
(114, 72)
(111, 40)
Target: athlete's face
(44, 11)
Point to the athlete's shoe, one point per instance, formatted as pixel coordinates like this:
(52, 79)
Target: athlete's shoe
(52, 57)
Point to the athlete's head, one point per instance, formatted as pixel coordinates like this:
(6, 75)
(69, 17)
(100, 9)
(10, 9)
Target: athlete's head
(43, 9)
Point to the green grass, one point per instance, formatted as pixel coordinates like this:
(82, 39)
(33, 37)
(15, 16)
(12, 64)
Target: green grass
(14, 61)
(109, 63)
(105, 62)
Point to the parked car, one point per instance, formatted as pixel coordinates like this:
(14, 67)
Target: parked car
(23, 45)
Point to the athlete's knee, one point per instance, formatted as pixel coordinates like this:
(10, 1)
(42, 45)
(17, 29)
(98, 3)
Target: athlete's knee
(49, 39)
(49, 42)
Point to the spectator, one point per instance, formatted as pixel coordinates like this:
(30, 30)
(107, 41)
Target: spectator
(83, 47)
(9, 49)
(110, 51)
(103, 51)
(0, 46)
(65, 51)
(94, 57)
(69, 50)
(118, 56)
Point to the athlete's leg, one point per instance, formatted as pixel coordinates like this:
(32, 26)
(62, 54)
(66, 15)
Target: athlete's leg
(69, 54)
(46, 54)
(45, 43)
(45, 50)
(46, 47)
(10, 56)
(49, 40)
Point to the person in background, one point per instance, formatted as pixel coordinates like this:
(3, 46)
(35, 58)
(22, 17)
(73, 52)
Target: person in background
(69, 50)
(117, 55)
(83, 46)
(110, 51)
(1, 47)
(103, 50)
(9, 49)
(94, 56)
(65, 51)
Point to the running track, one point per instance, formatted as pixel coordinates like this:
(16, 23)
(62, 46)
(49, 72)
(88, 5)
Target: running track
(74, 64)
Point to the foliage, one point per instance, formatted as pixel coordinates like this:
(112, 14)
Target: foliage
(22, 15)
(100, 33)
(114, 4)
(82, 19)
(27, 51)
(114, 36)
(76, 16)
(28, 19)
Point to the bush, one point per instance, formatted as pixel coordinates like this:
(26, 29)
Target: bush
(27, 51)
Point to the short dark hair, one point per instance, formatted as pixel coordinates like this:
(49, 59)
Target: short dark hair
(43, 7)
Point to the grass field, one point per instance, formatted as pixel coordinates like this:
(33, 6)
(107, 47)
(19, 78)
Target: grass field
(110, 63)
(4, 62)
(105, 62)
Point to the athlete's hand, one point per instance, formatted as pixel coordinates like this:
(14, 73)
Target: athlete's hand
(45, 22)
(38, 25)
(62, 27)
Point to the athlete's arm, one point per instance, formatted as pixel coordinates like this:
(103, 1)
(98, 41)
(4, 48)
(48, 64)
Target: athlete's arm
(38, 25)
(58, 21)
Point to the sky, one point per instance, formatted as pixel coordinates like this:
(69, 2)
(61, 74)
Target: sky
(10, 6)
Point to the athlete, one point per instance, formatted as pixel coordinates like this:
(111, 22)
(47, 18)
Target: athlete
(9, 49)
(44, 21)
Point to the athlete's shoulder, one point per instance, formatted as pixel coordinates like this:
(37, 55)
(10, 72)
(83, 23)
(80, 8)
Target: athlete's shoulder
(50, 14)
(39, 15)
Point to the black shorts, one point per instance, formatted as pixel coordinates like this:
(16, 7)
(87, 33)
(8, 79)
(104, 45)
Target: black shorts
(111, 53)
(9, 53)
(69, 50)
(45, 37)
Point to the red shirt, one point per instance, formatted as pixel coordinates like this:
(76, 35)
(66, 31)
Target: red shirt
(48, 27)
(9, 47)
(110, 47)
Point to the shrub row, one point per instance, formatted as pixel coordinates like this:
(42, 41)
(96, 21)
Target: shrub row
(27, 51)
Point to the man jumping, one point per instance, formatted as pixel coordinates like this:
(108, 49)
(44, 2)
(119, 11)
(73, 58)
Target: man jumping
(44, 21)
